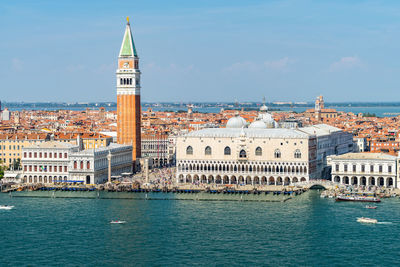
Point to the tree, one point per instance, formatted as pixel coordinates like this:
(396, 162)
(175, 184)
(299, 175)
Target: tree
(1, 169)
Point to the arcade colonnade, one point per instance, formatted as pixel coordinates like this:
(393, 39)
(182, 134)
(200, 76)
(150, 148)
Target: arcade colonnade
(235, 172)
(382, 181)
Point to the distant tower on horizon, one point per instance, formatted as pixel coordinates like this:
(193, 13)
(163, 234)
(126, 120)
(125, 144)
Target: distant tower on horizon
(319, 106)
(128, 95)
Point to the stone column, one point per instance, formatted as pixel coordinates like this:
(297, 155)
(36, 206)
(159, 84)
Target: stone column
(109, 166)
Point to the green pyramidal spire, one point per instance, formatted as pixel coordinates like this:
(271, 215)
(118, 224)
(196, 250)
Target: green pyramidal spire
(128, 46)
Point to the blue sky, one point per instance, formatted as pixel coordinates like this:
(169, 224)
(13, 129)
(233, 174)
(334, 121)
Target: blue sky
(202, 50)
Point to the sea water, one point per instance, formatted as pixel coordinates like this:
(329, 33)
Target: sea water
(306, 231)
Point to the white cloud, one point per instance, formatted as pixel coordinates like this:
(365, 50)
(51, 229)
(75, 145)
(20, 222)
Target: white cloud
(346, 63)
(279, 64)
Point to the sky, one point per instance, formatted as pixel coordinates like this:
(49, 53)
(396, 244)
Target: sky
(206, 50)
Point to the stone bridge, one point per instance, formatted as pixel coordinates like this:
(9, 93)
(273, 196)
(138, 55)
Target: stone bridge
(314, 183)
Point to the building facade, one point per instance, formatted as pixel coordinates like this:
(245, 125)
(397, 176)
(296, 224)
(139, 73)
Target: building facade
(11, 145)
(54, 161)
(91, 165)
(156, 149)
(246, 156)
(365, 169)
(259, 154)
(128, 95)
(47, 162)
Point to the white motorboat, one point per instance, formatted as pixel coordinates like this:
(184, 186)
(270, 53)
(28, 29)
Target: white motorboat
(366, 220)
(6, 207)
(118, 222)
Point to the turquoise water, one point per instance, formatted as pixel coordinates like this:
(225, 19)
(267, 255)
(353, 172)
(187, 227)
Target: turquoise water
(307, 231)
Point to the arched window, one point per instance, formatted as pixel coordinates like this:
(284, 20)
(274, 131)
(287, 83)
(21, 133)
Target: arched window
(88, 165)
(81, 165)
(258, 151)
(242, 154)
(227, 150)
(297, 154)
(207, 151)
(189, 150)
(277, 154)
(75, 165)
(120, 81)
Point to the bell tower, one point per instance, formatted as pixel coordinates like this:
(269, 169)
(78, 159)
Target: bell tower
(128, 95)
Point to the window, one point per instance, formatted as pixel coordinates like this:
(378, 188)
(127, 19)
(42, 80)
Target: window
(35, 155)
(81, 165)
(242, 154)
(65, 155)
(337, 167)
(371, 168)
(30, 154)
(207, 151)
(88, 165)
(297, 154)
(60, 168)
(189, 150)
(24, 154)
(40, 154)
(380, 168)
(354, 168)
(65, 169)
(390, 169)
(345, 167)
(277, 154)
(45, 154)
(60, 155)
(50, 155)
(55, 155)
(362, 168)
(75, 165)
(227, 150)
(258, 151)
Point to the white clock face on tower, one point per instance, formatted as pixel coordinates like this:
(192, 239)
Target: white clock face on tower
(126, 65)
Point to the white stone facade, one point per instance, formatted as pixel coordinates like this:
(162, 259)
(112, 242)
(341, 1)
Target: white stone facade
(47, 162)
(54, 161)
(365, 169)
(246, 156)
(91, 166)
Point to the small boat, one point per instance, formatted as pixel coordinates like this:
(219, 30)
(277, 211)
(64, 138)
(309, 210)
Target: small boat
(371, 207)
(118, 222)
(366, 220)
(6, 207)
(358, 198)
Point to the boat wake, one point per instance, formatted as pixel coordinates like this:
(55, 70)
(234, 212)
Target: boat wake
(384, 223)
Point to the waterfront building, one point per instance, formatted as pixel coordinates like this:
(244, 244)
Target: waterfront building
(11, 145)
(365, 169)
(47, 162)
(156, 149)
(55, 161)
(128, 95)
(246, 156)
(259, 153)
(330, 141)
(91, 165)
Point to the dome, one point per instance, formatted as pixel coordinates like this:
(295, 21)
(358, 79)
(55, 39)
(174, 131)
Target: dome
(264, 108)
(236, 122)
(258, 124)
